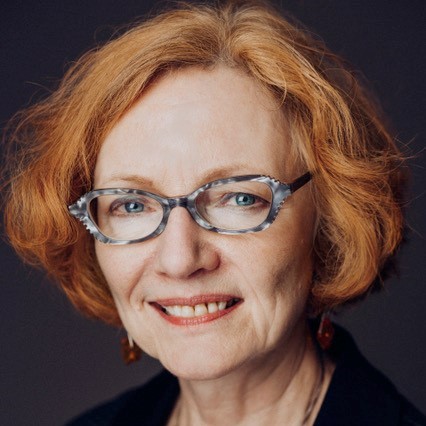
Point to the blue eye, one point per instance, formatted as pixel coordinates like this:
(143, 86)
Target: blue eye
(243, 199)
(134, 207)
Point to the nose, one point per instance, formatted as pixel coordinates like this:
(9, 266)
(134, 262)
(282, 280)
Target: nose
(184, 249)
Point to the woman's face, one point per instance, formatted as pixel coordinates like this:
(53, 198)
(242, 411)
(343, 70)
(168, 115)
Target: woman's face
(192, 127)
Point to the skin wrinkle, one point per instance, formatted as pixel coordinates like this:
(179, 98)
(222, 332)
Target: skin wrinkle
(257, 346)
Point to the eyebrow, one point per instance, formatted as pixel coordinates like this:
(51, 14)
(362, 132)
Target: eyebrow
(137, 180)
(140, 181)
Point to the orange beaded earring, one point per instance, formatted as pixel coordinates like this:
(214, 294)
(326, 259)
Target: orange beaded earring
(325, 332)
(130, 351)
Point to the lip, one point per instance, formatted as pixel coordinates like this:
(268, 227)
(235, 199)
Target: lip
(192, 301)
(195, 300)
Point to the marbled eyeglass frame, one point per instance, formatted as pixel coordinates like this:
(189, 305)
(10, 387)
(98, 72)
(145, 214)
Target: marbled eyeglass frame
(280, 192)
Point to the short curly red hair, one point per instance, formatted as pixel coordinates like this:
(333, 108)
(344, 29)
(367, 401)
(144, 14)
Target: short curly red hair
(336, 128)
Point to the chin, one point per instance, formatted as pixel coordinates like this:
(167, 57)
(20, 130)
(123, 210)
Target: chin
(201, 366)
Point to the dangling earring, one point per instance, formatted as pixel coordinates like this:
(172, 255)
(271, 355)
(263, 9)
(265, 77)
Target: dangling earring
(130, 351)
(325, 332)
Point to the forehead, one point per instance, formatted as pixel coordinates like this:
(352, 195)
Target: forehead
(196, 123)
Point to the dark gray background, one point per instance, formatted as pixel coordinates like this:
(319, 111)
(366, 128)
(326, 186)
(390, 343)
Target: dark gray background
(55, 363)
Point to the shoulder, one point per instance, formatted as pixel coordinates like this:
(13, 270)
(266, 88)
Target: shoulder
(149, 404)
(359, 394)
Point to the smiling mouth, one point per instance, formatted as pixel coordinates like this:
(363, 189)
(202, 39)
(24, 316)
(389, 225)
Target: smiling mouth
(188, 311)
(197, 311)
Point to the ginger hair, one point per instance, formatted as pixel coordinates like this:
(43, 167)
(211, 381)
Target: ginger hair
(336, 126)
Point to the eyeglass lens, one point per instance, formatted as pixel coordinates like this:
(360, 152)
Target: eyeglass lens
(230, 206)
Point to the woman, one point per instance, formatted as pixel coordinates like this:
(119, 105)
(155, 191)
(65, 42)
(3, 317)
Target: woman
(237, 181)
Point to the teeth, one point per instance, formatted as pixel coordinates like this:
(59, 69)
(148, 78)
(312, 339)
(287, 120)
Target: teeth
(200, 310)
(186, 311)
(174, 310)
(212, 307)
(221, 306)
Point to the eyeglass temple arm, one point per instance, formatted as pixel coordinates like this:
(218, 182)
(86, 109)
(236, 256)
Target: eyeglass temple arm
(299, 182)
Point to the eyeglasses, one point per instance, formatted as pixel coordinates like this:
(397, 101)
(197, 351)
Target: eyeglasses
(235, 205)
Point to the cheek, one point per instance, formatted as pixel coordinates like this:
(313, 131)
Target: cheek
(283, 261)
(278, 267)
(275, 275)
(122, 268)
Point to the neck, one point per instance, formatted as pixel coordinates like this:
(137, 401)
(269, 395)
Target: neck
(282, 387)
